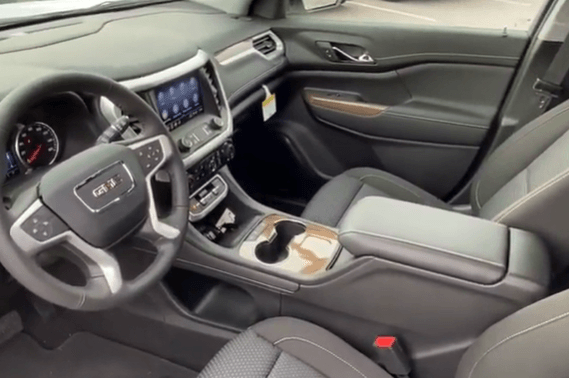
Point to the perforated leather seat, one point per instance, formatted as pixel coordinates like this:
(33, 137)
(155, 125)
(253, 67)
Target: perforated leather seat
(531, 343)
(287, 348)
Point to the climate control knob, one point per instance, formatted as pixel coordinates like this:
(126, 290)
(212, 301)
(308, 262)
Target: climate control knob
(184, 145)
(228, 151)
(217, 123)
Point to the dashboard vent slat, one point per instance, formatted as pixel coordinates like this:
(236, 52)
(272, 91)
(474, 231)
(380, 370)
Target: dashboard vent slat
(207, 71)
(265, 45)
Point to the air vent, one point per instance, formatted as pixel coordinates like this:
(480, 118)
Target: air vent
(265, 45)
(208, 72)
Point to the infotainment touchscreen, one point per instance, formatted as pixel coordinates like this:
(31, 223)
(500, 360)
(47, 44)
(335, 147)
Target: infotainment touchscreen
(179, 100)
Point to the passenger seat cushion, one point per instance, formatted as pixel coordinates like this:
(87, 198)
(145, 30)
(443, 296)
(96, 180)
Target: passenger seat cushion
(333, 200)
(287, 347)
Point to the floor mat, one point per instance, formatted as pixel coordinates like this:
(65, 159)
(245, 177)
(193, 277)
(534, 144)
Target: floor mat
(83, 355)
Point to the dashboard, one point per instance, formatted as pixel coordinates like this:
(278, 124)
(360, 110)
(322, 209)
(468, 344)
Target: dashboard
(191, 88)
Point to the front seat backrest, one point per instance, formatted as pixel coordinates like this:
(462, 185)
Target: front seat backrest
(525, 182)
(531, 343)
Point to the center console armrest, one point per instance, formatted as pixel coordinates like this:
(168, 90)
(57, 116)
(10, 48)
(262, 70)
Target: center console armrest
(428, 238)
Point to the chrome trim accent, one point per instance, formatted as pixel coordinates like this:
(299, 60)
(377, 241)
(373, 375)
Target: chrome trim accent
(211, 206)
(364, 58)
(109, 110)
(149, 82)
(159, 227)
(106, 262)
(217, 141)
(85, 181)
(245, 48)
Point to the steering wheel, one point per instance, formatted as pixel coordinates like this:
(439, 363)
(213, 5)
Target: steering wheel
(93, 200)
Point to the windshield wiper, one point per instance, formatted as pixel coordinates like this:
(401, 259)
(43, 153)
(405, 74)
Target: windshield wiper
(107, 6)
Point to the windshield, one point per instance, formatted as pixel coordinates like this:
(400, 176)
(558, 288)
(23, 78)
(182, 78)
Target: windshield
(22, 10)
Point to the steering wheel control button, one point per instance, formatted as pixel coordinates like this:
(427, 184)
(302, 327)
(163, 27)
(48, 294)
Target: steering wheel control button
(43, 225)
(105, 187)
(150, 156)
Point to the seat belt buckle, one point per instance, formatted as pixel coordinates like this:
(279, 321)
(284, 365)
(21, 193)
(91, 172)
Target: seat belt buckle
(389, 354)
(546, 88)
(546, 91)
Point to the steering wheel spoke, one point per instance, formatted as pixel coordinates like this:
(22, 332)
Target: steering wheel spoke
(153, 154)
(38, 229)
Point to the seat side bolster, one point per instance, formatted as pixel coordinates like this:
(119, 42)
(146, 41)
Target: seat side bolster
(318, 348)
(530, 343)
(517, 152)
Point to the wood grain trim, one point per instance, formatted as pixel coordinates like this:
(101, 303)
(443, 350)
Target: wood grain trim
(308, 260)
(360, 109)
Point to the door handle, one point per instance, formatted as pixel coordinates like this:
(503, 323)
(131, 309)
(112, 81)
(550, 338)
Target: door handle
(363, 58)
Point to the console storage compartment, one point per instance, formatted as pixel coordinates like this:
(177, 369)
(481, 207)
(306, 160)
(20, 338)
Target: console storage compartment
(437, 240)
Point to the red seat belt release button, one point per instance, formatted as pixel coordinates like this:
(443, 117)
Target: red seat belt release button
(389, 354)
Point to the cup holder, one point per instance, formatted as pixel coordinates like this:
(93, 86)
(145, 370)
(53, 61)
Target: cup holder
(271, 252)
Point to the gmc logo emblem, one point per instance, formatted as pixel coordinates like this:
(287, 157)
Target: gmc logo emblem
(107, 186)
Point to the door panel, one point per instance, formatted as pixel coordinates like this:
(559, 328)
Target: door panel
(399, 45)
(421, 111)
(326, 149)
(439, 103)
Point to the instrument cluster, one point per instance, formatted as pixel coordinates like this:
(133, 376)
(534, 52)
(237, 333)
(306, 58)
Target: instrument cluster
(34, 145)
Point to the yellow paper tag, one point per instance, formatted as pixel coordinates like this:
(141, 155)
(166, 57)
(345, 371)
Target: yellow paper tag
(268, 101)
(269, 106)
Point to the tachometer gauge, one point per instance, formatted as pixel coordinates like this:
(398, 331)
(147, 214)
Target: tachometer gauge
(37, 145)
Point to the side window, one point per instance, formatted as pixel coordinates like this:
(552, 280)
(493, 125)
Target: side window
(486, 14)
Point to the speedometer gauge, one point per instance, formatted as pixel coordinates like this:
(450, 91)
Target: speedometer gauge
(37, 145)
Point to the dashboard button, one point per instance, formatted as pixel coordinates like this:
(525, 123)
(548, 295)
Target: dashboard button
(228, 151)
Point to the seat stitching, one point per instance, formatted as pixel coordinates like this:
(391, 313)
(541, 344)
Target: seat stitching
(476, 194)
(494, 157)
(448, 252)
(321, 347)
(507, 211)
(552, 320)
(393, 182)
(274, 363)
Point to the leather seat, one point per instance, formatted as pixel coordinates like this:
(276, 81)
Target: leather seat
(287, 348)
(334, 199)
(524, 184)
(531, 343)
